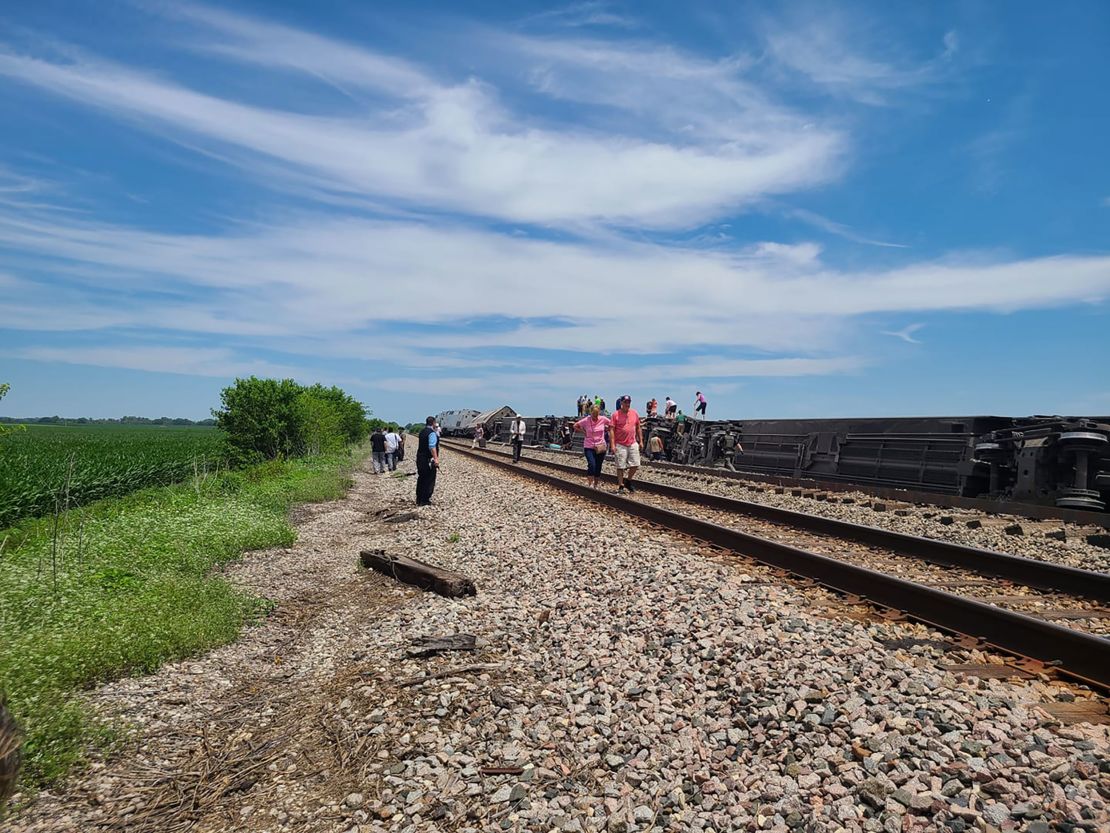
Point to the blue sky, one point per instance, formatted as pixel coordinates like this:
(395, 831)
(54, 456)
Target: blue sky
(799, 209)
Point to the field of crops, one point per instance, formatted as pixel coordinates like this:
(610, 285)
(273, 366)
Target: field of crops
(40, 464)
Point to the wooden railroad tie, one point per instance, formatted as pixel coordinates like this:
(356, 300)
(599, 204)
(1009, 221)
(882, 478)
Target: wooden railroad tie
(418, 573)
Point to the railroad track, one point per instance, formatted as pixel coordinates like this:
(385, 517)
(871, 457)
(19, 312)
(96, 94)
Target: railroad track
(931, 581)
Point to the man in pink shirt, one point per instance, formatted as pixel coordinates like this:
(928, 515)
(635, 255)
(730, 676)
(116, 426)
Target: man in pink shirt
(626, 436)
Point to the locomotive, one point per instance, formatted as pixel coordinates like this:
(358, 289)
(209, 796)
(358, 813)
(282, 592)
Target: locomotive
(1048, 460)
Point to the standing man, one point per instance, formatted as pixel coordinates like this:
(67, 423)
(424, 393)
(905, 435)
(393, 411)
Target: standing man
(427, 463)
(517, 429)
(377, 448)
(669, 408)
(699, 404)
(626, 436)
(392, 443)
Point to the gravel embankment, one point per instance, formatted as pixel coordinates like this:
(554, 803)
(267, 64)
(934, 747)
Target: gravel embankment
(628, 680)
(1074, 551)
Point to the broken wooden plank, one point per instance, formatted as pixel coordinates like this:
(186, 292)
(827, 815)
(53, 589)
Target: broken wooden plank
(477, 668)
(428, 646)
(501, 770)
(419, 574)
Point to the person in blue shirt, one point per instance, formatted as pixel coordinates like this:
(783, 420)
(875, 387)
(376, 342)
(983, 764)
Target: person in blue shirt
(427, 462)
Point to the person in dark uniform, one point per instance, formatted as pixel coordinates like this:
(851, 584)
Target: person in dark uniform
(427, 463)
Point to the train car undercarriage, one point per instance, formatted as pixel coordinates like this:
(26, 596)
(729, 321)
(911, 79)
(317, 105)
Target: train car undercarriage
(1047, 460)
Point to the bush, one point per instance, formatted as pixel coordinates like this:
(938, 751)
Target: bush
(266, 419)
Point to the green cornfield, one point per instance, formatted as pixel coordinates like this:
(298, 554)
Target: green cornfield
(49, 466)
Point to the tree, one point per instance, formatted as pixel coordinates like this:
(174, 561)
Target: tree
(261, 419)
(267, 418)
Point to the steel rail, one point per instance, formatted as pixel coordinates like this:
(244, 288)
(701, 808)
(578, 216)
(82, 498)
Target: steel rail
(1031, 511)
(1043, 575)
(1074, 653)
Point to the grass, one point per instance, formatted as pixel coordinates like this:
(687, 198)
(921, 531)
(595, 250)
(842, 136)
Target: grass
(128, 584)
(40, 464)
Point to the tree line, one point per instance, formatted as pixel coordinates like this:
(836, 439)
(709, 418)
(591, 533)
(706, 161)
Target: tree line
(124, 420)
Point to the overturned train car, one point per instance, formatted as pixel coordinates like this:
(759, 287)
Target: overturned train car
(1049, 460)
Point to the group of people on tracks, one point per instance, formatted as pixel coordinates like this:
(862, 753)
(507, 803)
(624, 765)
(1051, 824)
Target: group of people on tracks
(620, 434)
(387, 448)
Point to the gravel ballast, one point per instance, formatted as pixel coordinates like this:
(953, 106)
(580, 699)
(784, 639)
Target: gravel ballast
(623, 679)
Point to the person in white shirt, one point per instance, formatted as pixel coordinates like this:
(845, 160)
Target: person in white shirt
(392, 442)
(517, 429)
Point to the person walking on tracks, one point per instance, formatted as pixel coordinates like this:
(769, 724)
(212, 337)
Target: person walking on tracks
(699, 404)
(392, 443)
(427, 463)
(377, 449)
(626, 436)
(594, 445)
(655, 446)
(517, 429)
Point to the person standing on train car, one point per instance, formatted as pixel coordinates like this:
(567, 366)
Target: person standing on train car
(699, 404)
(626, 437)
(517, 429)
(670, 407)
(427, 463)
(594, 446)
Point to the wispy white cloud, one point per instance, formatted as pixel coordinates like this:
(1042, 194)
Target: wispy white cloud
(906, 333)
(845, 57)
(578, 15)
(454, 145)
(327, 277)
(189, 361)
(839, 229)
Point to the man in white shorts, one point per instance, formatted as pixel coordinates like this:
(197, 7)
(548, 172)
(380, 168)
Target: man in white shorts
(626, 436)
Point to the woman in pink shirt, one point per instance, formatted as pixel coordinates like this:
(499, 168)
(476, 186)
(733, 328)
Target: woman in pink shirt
(595, 444)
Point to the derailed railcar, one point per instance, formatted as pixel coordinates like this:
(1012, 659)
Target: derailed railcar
(1061, 461)
(1049, 460)
(458, 422)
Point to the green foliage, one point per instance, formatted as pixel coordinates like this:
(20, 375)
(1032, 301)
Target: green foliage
(44, 465)
(130, 585)
(270, 418)
(7, 429)
(261, 419)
